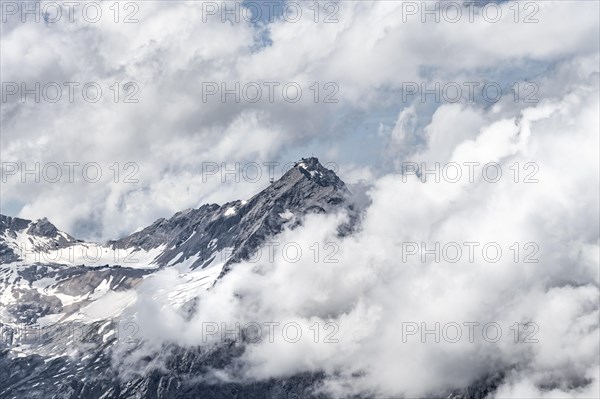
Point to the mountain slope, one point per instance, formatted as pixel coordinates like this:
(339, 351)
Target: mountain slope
(62, 333)
(47, 276)
(241, 226)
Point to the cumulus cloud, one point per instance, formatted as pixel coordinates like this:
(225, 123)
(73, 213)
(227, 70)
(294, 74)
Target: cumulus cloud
(546, 199)
(379, 288)
(170, 132)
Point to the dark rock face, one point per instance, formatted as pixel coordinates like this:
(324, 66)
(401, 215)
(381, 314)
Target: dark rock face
(7, 254)
(10, 226)
(41, 228)
(31, 305)
(242, 226)
(186, 374)
(87, 360)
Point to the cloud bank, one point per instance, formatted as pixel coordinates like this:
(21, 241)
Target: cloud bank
(370, 52)
(382, 287)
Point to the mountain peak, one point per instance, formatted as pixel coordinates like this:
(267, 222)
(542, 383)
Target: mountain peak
(241, 227)
(310, 169)
(197, 236)
(309, 163)
(42, 228)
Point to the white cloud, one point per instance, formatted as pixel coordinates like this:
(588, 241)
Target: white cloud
(171, 51)
(370, 292)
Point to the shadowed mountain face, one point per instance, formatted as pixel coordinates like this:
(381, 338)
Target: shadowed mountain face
(193, 235)
(241, 226)
(45, 281)
(39, 236)
(39, 262)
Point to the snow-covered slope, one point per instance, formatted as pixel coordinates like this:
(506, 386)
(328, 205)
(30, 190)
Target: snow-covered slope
(49, 277)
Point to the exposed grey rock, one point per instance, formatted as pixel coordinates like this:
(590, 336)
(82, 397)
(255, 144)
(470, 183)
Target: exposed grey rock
(31, 305)
(240, 225)
(71, 360)
(10, 226)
